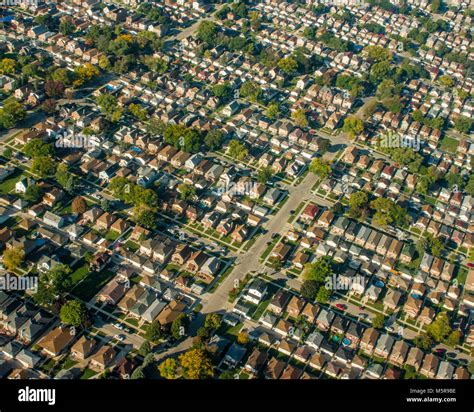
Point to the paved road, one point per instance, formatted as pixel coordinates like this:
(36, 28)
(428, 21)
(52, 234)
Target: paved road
(32, 118)
(250, 260)
(217, 301)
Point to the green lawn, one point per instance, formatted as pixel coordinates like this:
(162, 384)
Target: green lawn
(260, 309)
(88, 373)
(92, 284)
(132, 246)
(462, 276)
(448, 144)
(80, 273)
(9, 184)
(270, 248)
(234, 330)
(68, 363)
(221, 278)
(112, 236)
(297, 212)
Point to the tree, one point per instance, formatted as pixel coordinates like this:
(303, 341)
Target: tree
(67, 26)
(186, 191)
(454, 180)
(393, 104)
(251, 90)
(319, 270)
(54, 89)
(178, 326)
(43, 166)
(351, 83)
(453, 338)
(423, 342)
(300, 119)
(371, 107)
(213, 139)
(237, 150)
(212, 321)
(58, 279)
(44, 296)
(105, 205)
(37, 147)
(470, 368)
(378, 53)
(63, 177)
(440, 328)
(11, 113)
(435, 6)
(145, 217)
(309, 289)
(138, 373)
(79, 205)
(109, 107)
(104, 62)
(323, 145)
(7, 153)
(182, 137)
(387, 212)
(73, 313)
(168, 368)
(323, 295)
(264, 175)
(470, 184)
(446, 80)
(145, 348)
(378, 321)
(320, 167)
(138, 111)
(13, 257)
(196, 364)
(273, 111)
(203, 333)
(358, 205)
(463, 124)
(7, 66)
(353, 126)
(33, 193)
(84, 74)
(62, 75)
(153, 332)
(243, 337)
(222, 91)
(156, 64)
(207, 32)
(288, 65)
(49, 106)
(380, 71)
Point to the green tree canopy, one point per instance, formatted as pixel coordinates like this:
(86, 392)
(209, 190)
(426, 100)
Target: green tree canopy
(73, 313)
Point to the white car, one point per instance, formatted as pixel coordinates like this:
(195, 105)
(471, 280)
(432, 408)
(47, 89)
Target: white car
(118, 325)
(120, 338)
